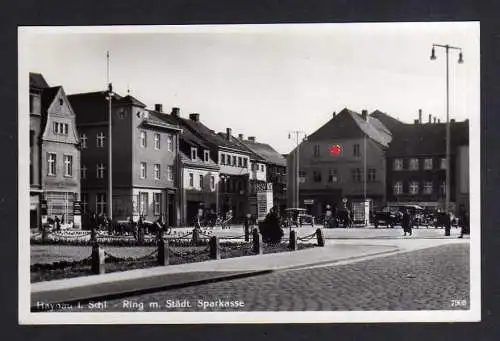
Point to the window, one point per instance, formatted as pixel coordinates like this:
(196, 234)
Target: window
(356, 150)
(157, 141)
(144, 171)
(443, 163)
(170, 175)
(245, 163)
(356, 175)
(83, 172)
(414, 187)
(157, 171)
(66, 128)
(61, 128)
(372, 175)
(100, 203)
(156, 203)
(413, 164)
(121, 115)
(100, 140)
(428, 187)
(100, 170)
(234, 161)
(170, 143)
(193, 153)
(222, 159)
(316, 150)
(398, 187)
(442, 188)
(333, 176)
(201, 181)
(51, 160)
(143, 203)
(261, 168)
(212, 182)
(34, 104)
(191, 180)
(398, 164)
(68, 165)
(317, 176)
(240, 161)
(144, 139)
(206, 155)
(85, 202)
(83, 141)
(428, 164)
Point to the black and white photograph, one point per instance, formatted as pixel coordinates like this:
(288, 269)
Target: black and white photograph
(285, 173)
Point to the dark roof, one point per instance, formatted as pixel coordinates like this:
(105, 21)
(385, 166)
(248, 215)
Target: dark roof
(427, 139)
(349, 124)
(90, 107)
(185, 159)
(193, 140)
(160, 119)
(266, 152)
(388, 121)
(48, 95)
(37, 81)
(130, 100)
(239, 143)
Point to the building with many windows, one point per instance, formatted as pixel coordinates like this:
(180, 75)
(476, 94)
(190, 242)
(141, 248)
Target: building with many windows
(54, 153)
(145, 158)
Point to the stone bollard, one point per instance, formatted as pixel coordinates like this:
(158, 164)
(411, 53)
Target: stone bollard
(214, 247)
(97, 260)
(196, 237)
(293, 240)
(319, 236)
(257, 242)
(163, 256)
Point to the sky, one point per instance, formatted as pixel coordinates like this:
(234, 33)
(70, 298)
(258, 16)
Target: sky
(267, 80)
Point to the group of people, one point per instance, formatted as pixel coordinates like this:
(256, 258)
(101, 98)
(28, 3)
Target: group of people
(204, 218)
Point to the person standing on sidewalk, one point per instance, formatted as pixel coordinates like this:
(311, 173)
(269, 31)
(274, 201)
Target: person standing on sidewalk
(407, 221)
(464, 221)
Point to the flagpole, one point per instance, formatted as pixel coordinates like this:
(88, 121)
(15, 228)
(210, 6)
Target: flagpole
(110, 144)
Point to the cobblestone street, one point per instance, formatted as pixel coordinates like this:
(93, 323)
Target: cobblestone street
(430, 279)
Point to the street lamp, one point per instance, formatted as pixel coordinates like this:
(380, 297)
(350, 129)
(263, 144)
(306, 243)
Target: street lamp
(460, 61)
(295, 135)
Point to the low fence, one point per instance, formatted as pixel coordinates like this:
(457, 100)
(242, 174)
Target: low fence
(194, 246)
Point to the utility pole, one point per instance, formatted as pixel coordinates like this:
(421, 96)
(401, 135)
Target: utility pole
(110, 144)
(295, 135)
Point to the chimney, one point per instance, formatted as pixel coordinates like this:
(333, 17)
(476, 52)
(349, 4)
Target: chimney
(364, 114)
(251, 138)
(228, 133)
(195, 117)
(240, 136)
(420, 116)
(333, 115)
(452, 121)
(415, 121)
(430, 118)
(175, 112)
(439, 120)
(435, 119)
(159, 107)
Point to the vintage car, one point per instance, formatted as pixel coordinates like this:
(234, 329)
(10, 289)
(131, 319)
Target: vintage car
(297, 217)
(388, 216)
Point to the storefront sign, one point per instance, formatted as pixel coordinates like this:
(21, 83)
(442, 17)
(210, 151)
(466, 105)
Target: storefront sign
(77, 208)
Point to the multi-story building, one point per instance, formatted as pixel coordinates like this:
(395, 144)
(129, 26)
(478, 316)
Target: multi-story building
(345, 158)
(54, 153)
(145, 158)
(416, 164)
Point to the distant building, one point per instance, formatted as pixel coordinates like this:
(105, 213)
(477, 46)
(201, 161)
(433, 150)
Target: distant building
(345, 158)
(54, 152)
(145, 158)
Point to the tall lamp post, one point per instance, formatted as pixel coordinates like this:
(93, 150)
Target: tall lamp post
(110, 144)
(295, 136)
(460, 61)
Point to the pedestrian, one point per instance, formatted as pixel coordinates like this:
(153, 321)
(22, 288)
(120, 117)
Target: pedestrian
(464, 221)
(58, 224)
(407, 222)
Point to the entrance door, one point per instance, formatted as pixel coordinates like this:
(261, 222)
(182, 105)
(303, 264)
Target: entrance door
(171, 214)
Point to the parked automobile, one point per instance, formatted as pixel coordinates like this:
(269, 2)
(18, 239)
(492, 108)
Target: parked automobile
(388, 216)
(297, 217)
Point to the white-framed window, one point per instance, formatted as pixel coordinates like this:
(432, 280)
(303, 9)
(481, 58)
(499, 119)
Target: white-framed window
(356, 151)
(356, 175)
(170, 175)
(333, 176)
(234, 161)
(157, 141)
(240, 161)
(144, 170)
(100, 170)
(428, 187)
(170, 143)
(442, 188)
(191, 180)
(372, 175)
(144, 139)
(201, 181)
(413, 164)
(206, 155)
(316, 150)
(428, 163)
(212, 182)
(100, 140)
(83, 172)
(83, 141)
(398, 187)
(100, 203)
(157, 171)
(194, 151)
(61, 128)
(85, 202)
(261, 168)
(51, 164)
(157, 203)
(222, 159)
(398, 164)
(443, 163)
(245, 162)
(143, 203)
(66, 128)
(414, 187)
(68, 165)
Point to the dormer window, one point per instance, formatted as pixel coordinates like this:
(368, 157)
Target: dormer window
(61, 101)
(194, 151)
(206, 155)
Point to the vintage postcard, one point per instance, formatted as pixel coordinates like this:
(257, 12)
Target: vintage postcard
(249, 173)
